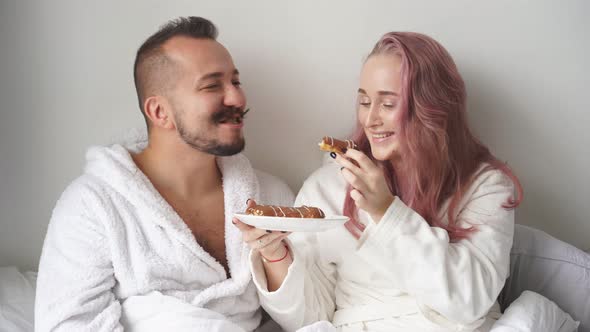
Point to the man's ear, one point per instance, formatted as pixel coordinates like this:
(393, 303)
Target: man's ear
(158, 110)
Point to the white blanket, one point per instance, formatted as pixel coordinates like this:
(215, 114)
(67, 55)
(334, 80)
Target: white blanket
(112, 236)
(530, 312)
(156, 312)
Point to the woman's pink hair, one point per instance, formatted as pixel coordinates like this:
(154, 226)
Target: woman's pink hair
(441, 155)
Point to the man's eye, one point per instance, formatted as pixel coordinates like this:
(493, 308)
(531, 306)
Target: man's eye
(237, 83)
(211, 87)
(364, 104)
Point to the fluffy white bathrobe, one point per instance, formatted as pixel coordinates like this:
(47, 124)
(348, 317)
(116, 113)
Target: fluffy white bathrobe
(113, 238)
(402, 274)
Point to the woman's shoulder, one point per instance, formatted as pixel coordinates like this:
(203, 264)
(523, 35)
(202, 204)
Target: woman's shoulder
(328, 174)
(274, 190)
(486, 175)
(489, 183)
(324, 184)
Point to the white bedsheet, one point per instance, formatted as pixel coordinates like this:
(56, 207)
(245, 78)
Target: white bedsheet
(17, 298)
(156, 312)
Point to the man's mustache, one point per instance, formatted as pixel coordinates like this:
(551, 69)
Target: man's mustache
(229, 113)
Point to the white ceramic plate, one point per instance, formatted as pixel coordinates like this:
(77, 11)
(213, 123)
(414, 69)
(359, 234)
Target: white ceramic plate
(292, 224)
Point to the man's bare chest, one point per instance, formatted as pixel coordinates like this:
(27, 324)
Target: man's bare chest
(207, 224)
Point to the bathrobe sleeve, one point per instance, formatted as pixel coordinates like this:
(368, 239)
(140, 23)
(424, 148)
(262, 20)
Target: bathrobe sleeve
(460, 280)
(75, 281)
(307, 293)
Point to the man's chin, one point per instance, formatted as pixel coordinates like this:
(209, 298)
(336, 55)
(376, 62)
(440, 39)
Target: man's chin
(215, 147)
(224, 150)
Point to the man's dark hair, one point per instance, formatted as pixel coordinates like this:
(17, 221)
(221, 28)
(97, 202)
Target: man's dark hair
(153, 71)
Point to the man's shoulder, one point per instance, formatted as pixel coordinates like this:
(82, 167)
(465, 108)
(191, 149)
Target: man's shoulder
(82, 194)
(273, 190)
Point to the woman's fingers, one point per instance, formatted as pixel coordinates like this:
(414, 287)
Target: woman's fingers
(266, 241)
(364, 162)
(359, 199)
(367, 177)
(361, 166)
(272, 247)
(250, 203)
(249, 233)
(356, 181)
(348, 164)
(257, 238)
(241, 226)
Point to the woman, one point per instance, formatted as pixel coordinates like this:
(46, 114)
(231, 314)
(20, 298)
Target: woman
(431, 211)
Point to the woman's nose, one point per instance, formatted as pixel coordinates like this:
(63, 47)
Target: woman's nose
(373, 117)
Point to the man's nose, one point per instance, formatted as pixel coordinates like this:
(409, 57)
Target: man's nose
(234, 96)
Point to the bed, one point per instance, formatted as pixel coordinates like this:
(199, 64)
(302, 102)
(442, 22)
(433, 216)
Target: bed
(550, 273)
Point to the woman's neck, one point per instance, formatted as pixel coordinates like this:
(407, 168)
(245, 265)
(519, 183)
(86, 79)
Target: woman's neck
(401, 174)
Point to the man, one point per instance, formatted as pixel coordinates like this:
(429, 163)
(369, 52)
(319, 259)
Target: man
(153, 223)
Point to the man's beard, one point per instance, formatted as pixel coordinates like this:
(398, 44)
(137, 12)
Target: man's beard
(213, 146)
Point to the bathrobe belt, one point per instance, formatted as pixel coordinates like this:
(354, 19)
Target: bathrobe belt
(370, 312)
(402, 306)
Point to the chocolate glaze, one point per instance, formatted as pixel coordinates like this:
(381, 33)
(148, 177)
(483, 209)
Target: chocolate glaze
(283, 211)
(331, 144)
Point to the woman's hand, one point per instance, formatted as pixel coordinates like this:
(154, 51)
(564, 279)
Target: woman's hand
(369, 187)
(268, 243)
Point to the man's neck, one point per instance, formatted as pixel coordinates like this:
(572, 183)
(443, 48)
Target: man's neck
(180, 169)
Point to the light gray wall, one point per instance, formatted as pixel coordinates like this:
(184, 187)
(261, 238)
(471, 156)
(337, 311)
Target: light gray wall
(66, 83)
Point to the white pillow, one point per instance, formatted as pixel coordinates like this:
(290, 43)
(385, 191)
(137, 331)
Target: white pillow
(534, 312)
(17, 299)
(550, 267)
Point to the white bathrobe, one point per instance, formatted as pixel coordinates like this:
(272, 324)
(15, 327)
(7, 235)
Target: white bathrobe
(402, 274)
(112, 238)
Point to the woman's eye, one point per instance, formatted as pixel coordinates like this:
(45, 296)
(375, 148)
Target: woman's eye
(388, 105)
(364, 102)
(237, 83)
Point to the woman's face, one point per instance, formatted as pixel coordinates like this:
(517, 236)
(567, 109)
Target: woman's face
(378, 104)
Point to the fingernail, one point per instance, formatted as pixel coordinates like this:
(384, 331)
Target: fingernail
(233, 222)
(341, 168)
(333, 155)
(248, 201)
(268, 231)
(283, 232)
(344, 150)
